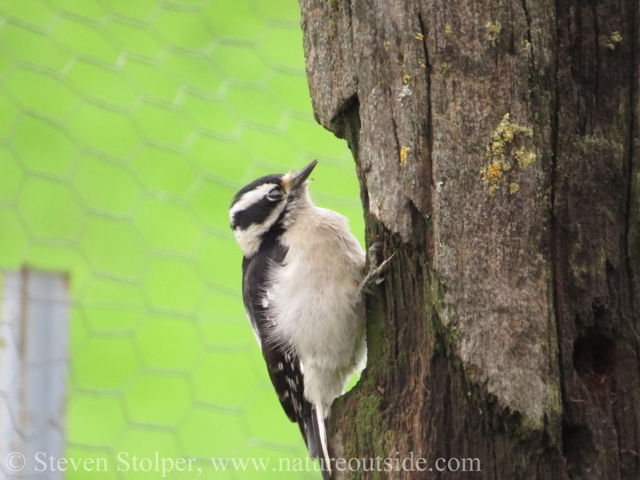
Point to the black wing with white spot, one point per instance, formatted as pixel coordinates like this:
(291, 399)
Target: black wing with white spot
(284, 368)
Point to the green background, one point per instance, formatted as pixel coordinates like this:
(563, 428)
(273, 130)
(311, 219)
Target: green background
(126, 126)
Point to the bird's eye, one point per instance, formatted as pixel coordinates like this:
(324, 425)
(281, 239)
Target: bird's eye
(274, 195)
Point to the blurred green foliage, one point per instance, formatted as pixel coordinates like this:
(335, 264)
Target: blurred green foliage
(125, 129)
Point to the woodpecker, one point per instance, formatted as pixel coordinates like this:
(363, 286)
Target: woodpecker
(302, 286)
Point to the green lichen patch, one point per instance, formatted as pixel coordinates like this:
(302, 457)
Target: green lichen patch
(524, 157)
(501, 153)
(614, 38)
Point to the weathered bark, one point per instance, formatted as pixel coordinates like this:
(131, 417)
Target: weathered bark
(505, 329)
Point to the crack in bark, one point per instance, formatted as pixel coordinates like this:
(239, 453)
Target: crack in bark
(553, 220)
(527, 17)
(634, 100)
(429, 122)
(597, 55)
(395, 130)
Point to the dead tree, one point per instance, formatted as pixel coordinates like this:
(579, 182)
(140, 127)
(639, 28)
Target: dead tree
(497, 147)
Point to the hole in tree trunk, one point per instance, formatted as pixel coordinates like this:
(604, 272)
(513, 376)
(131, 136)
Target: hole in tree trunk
(594, 361)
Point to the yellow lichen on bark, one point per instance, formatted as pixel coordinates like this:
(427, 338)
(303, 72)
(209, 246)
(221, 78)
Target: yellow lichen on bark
(493, 32)
(404, 152)
(498, 152)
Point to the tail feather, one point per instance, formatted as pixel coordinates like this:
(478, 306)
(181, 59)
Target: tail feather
(310, 431)
(316, 438)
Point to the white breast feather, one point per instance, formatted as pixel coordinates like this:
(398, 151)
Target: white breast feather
(314, 297)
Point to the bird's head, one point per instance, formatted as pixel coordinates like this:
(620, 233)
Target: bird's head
(268, 205)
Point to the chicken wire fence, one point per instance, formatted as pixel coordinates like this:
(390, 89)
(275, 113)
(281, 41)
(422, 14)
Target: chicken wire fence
(125, 129)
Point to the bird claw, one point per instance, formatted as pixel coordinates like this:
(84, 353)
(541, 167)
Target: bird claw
(374, 275)
(382, 268)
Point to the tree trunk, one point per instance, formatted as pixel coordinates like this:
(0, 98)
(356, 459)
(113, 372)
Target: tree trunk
(497, 150)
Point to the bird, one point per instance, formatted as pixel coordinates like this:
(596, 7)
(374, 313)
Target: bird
(303, 278)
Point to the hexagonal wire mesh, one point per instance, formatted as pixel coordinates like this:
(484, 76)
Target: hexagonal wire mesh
(125, 129)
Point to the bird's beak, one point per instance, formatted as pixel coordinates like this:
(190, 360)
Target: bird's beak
(300, 177)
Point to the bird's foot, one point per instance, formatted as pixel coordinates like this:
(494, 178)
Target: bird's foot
(375, 271)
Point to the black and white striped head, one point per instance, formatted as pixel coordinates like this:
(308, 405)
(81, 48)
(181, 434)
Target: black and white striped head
(268, 205)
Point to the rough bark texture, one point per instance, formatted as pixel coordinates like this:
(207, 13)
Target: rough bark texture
(505, 329)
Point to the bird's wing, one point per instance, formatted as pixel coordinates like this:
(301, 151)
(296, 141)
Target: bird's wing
(283, 366)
